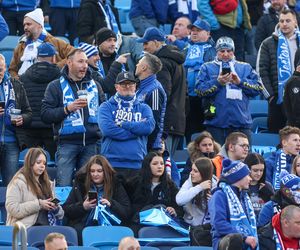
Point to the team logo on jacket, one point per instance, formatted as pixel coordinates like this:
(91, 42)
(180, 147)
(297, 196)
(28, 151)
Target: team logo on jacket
(295, 90)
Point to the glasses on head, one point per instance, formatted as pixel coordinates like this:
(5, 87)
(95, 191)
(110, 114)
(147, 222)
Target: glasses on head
(244, 146)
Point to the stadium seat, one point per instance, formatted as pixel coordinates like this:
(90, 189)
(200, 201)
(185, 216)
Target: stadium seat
(166, 245)
(192, 248)
(8, 55)
(122, 4)
(81, 248)
(142, 248)
(7, 46)
(62, 193)
(6, 236)
(2, 205)
(37, 234)
(264, 142)
(19, 248)
(110, 236)
(259, 124)
(180, 157)
(258, 108)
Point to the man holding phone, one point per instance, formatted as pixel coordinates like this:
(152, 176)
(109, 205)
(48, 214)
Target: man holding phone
(227, 85)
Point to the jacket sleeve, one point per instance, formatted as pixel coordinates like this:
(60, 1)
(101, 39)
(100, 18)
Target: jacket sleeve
(287, 101)
(206, 12)
(73, 206)
(144, 127)
(52, 111)
(110, 78)
(108, 126)
(270, 168)
(63, 49)
(165, 78)
(260, 32)
(14, 204)
(15, 61)
(265, 214)
(3, 28)
(187, 192)
(264, 66)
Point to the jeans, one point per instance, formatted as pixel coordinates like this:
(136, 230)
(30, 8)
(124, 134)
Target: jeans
(14, 21)
(141, 23)
(9, 158)
(220, 134)
(71, 157)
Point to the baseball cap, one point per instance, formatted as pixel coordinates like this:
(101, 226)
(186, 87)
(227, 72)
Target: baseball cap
(200, 24)
(46, 50)
(152, 34)
(125, 76)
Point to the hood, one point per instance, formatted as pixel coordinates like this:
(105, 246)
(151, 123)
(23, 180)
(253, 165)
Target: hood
(223, 152)
(171, 52)
(42, 72)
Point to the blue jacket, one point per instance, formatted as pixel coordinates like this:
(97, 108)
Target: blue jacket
(125, 146)
(65, 3)
(229, 112)
(266, 213)
(271, 165)
(150, 9)
(3, 28)
(19, 5)
(220, 215)
(152, 93)
(194, 60)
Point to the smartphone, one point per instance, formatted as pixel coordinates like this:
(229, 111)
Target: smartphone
(2, 104)
(226, 71)
(55, 201)
(92, 195)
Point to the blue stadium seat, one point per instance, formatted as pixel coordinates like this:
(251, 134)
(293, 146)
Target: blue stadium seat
(260, 124)
(142, 248)
(37, 234)
(62, 193)
(180, 157)
(8, 55)
(122, 4)
(6, 236)
(192, 248)
(9, 42)
(264, 142)
(258, 108)
(81, 248)
(110, 236)
(2, 205)
(19, 248)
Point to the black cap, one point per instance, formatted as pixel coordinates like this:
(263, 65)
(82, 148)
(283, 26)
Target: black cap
(103, 34)
(125, 76)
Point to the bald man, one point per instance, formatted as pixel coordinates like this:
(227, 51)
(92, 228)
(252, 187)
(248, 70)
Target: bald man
(129, 243)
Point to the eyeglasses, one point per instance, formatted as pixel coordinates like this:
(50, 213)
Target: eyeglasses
(244, 146)
(127, 84)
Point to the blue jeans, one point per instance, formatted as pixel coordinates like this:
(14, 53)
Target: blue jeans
(220, 134)
(71, 157)
(141, 23)
(9, 158)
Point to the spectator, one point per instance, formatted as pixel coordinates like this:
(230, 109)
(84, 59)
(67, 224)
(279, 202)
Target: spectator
(227, 85)
(227, 19)
(236, 148)
(276, 64)
(172, 78)
(29, 194)
(288, 194)
(14, 11)
(125, 124)
(282, 159)
(296, 166)
(3, 28)
(71, 104)
(180, 33)
(97, 175)
(129, 243)
(231, 212)
(63, 18)
(283, 232)
(152, 187)
(36, 79)
(26, 51)
(184, 8)
(94, 15)
(195, 192)
(291, 98)
(200, 49)
(203, 146)
(13, 98)
(55, 241)
(260, 191)
(107, 81)
(152, 93)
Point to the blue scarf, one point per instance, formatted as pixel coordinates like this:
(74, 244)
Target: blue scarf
(124, 111)
(74, 123)
(101, 69)
(280, 164)
(243, 221)
(109, 16)
(9, 98)
(284, 63)
(195, 55)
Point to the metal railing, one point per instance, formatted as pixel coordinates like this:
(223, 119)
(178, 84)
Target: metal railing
(19, 228)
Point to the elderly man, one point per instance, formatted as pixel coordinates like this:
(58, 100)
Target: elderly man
(25, 53)
(71, 104)
(227, 85)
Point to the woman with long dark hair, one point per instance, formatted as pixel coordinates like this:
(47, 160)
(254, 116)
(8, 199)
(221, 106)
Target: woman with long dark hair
(98, 176)
(260, 191)
(195, 192)
(29, 194)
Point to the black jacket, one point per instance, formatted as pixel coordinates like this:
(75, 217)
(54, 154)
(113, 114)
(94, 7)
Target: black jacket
(91, 19)
(291, 100)
(255, 9)
(75, 213)
(173, 79)
(35, 80)
(52, 111)
(266, 238)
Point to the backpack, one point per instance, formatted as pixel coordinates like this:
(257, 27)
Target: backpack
(222, 7)
(200, 235)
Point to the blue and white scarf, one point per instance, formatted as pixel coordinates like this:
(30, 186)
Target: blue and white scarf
(74, 123)
(280, 164)
(284, 63)
(9, 98)
(188, 8)
(243, 221)
(124, 111)
(109, 16)
(195, 55)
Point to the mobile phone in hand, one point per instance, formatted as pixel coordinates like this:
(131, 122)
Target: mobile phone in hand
(226, 71)
(55, 201)
(92, 195)
(2, 104)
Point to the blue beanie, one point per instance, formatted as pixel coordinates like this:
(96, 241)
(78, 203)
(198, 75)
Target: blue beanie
(290, 181)
(234, 171)
(88, 49)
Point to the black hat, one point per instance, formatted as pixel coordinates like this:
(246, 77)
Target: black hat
(125, 76)
(104, 34)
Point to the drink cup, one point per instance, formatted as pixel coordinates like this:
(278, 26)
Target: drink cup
(14, 115)
(82, 94)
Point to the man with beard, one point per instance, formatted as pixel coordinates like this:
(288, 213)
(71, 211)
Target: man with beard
(71, 104)
(25, 54)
